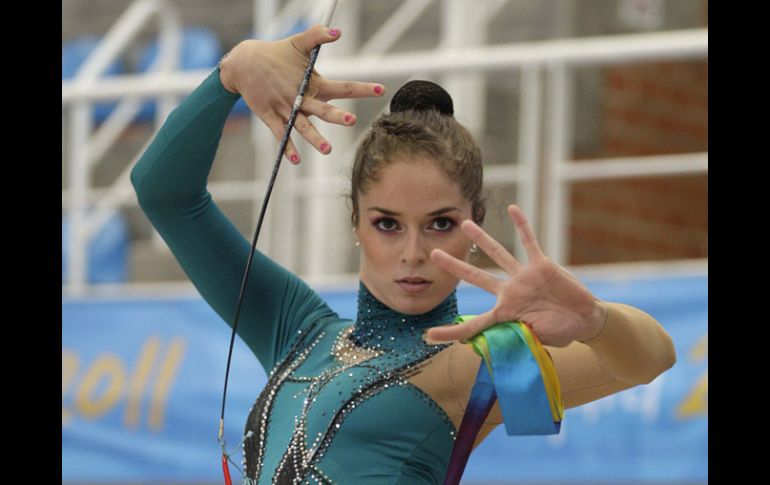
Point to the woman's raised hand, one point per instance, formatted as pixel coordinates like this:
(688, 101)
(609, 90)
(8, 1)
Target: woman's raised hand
(553, 303)
(268, 75)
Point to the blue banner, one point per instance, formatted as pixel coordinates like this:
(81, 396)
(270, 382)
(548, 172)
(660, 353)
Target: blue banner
(653, 432)
(142, 386)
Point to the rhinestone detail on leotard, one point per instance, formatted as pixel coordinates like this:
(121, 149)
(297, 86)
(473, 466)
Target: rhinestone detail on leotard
(381, 350)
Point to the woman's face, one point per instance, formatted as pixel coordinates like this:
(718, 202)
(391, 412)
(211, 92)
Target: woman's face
(412, 209)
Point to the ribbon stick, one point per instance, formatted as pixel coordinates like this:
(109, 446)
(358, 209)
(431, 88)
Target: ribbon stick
(517, 371)
(482, 399)
(226, 471)
(281, 149)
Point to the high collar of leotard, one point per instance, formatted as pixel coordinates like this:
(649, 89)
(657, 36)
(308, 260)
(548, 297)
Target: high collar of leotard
(379, 326)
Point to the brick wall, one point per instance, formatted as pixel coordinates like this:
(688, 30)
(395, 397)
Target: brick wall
(647, 109)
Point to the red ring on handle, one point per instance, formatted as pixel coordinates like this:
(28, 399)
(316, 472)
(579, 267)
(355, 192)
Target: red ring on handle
(226, 470)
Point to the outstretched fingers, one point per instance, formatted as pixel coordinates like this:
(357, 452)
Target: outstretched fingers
(465, 271)
(490, 246)
(327, 112)
(277, 127)
(462, 331)
(348, 89)
(319, 34)
(313, 36)
(311, 134)
(527, 235)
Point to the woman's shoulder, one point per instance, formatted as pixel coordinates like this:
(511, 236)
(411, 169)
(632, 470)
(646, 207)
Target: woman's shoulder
(448, 377)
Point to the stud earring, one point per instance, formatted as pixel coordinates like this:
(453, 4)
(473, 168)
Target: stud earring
(357, 243)
(474, 248)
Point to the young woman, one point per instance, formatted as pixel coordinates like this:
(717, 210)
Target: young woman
(377, 399)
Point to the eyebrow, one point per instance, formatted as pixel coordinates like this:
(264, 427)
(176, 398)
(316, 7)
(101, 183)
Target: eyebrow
(387, 212)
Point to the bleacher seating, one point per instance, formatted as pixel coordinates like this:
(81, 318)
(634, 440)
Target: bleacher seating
(200, 49)
(107, 252)
(73, 54)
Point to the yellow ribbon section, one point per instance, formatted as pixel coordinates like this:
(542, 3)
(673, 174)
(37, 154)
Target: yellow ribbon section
(512, 331)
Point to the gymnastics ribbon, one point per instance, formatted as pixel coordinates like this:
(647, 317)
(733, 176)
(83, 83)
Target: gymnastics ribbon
(516, 370)
(281, 149)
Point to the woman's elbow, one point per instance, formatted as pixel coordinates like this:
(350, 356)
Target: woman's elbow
(149, 195)
(662, 361)
(136, 182)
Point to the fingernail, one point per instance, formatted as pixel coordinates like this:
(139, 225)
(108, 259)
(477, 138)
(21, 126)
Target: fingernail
(429, 340)
(294, 158)
(378, 89)
(348, 118)
(334, 32)
(324, 147)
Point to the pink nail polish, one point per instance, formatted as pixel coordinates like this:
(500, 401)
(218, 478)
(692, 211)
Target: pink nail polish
(378, 89)
(334, 32)
(348, 118)
(324, 147)
(294, 158)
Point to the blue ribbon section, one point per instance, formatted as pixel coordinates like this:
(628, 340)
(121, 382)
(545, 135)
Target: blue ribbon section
(519, 384)
(482, 399)
(509, 372)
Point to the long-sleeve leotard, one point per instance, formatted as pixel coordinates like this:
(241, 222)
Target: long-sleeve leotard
(170, 180)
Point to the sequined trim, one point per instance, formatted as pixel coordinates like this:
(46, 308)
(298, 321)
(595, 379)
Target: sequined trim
(385, 346)
(297, 462)
(319, 475)
(438, 409)
(254, 448)
(379, 327)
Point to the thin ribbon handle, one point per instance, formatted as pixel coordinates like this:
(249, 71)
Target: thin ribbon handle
(482, 399)
(517, 371)
(281, 149)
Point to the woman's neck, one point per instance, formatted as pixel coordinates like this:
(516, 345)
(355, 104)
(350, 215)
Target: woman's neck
(379, 326)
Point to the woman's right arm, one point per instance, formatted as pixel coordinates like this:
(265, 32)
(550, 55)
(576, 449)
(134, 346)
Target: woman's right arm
(170, 182)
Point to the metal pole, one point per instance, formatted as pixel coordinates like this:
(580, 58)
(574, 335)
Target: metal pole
(124, 29)
(265, 28)
(324, 212)
(169, 55)
(597, 51)
(465, 24)
(651, 166)
(530, 119)
(393, 28)
(557, 190)
(80, 126)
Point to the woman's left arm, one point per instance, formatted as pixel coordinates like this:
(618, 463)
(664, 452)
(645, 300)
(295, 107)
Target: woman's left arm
(597, 347)
(632, 348)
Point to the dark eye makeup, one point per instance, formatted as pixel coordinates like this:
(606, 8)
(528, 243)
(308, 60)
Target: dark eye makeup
(439, 224)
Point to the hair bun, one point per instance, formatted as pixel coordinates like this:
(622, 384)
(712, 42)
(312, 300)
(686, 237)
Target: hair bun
(422, 96)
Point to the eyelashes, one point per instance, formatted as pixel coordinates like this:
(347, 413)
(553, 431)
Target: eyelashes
(385, 224)
(388, 224)
(443, 224)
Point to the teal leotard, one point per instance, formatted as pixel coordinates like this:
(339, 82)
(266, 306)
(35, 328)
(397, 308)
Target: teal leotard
(325, 416)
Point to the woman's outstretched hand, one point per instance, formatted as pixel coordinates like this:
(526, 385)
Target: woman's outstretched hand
(268, 75)
(553, 303)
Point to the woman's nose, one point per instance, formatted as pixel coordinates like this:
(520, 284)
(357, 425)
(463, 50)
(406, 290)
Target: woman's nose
(415, 251)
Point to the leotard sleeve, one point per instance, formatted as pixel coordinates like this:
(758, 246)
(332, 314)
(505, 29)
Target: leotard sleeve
(631, 349)
(170, 180)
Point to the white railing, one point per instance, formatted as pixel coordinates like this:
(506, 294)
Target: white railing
(88, 146)
(543, 68)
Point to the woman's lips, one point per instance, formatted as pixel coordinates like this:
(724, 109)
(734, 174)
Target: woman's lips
(413, 285)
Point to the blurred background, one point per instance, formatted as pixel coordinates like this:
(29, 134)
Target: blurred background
(592, 116)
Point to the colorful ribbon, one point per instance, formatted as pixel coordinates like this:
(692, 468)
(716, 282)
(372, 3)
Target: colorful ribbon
(517, 371)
